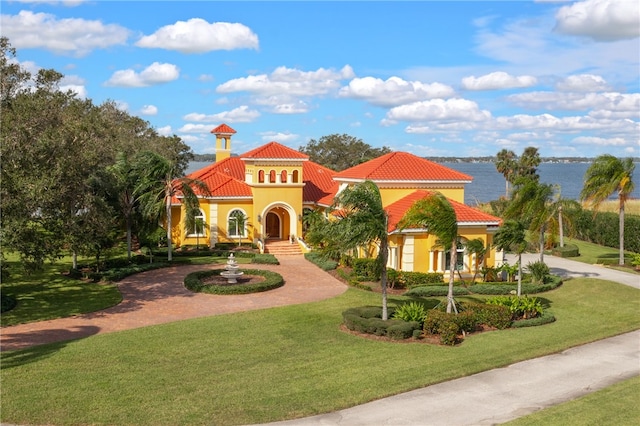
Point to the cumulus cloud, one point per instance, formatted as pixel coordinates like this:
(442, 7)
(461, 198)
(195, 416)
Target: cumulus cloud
(242, 114)
(282, 137)
(79, 90)
(583, 83)
(298, 107)
(593, 140)
(623, 104)
(165, 131)
(291, 81)
(600, 20)
(70, 36)
(154, 74)
(199, 36)
(393, 91)
(438, 110)
(149, 110)
(498, 80)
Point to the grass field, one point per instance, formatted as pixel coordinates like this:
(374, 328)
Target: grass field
(613, 206)
(275, 364)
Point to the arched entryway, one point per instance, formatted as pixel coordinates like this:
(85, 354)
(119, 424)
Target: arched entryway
(279, 222)
(273, 226)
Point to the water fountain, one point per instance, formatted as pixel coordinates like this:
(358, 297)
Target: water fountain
(231, 273)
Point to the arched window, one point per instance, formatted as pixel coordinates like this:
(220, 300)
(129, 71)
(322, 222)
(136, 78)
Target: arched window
(295, 176)
(197, 225)
(236, 224)
(272, 176)
(283, 176)
(261, 176)
(459, 258)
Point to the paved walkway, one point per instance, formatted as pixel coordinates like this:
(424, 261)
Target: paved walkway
(159, 296)
(486, 398)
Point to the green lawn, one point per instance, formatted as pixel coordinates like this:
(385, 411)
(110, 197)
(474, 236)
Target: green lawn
(277, 363)
(614, 405)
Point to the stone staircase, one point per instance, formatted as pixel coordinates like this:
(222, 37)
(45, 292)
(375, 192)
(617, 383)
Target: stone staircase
(282, 248)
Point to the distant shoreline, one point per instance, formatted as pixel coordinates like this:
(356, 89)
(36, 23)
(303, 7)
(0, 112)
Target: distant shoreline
(212, 158)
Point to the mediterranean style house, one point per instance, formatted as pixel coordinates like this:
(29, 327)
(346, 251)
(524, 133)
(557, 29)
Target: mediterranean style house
(260, 196)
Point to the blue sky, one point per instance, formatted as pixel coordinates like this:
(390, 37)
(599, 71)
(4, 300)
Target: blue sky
(432, 78)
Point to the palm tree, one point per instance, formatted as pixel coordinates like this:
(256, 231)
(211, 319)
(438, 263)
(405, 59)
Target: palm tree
(562, 211)
(530, 203)
(362, 221)
(437, 215)
(511, 236)
(160, 183)
(124, 176)
(476, 247)
(506, 165)
(605, 176)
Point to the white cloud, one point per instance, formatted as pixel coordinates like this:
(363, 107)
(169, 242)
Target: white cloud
(241, 114)
(298, 107)
(583, 83)
(154, 74)
(393, 91)
(165, 131)
(79, 90)
(282, 137)
(624, 105)
(68, 3)
(199, 36)
(291, 81)
(497, 80)
(70, 36)
(600, 20)
(438, 110)
(592, 140)
(149, 110)
(205, 77)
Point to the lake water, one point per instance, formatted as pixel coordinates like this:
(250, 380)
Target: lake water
(489, 185)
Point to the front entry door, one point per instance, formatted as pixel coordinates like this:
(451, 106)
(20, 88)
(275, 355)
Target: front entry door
(273, 226)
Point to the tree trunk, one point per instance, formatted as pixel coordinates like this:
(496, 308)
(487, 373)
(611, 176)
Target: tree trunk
(621, 236)
(519, 274)
(383, 276)
(168, 207)
(452, 267)
(560, 226)
(541, 243)
(129, 238)
(74, 259)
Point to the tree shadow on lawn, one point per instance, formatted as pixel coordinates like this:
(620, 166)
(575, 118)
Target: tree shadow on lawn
(20, 350)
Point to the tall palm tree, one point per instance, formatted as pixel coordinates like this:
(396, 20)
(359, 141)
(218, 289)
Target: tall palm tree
(160, 183)
(530, 203)
(476, 247)
(562, 211)
(511, 236)
(124, 176)
(437, 215)
(609, 175)
(506, 164)
(362, 221)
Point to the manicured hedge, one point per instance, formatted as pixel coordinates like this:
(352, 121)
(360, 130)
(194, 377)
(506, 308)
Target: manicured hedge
(569, 250)
(436, 290)
(407, 279)
(193, 282)
(265, 259)
(368, 319)
(546, 318)
(603, 229)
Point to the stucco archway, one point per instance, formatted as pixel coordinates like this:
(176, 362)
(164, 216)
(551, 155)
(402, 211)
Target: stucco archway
(279, 221)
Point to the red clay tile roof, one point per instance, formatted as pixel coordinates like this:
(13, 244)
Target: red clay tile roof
(402, 167)
(224, 179)
(223, 129)
(274, 150)
(465, 215)
(232, 166)
(319, 186)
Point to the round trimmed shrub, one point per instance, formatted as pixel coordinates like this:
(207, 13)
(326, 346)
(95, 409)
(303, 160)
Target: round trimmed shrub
(193, 282)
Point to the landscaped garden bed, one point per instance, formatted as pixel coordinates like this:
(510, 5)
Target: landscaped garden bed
(251, 281)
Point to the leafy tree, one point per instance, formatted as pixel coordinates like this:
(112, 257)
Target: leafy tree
(511, 237)
(161, 182)
(609, 175)
(437, 215)
(362, 222)
(340, 152)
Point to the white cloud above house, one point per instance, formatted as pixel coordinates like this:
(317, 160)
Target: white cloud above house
(393, 91)
(154, 74)
(199, 36)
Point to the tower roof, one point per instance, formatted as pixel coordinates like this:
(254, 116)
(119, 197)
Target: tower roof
(223, 129)
(274, 151)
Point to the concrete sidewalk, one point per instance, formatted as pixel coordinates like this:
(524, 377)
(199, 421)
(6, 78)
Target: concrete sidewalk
(503, 394)
(497, 396)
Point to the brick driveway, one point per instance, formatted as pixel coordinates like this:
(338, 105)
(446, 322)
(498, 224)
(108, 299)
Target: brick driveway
(159, 296)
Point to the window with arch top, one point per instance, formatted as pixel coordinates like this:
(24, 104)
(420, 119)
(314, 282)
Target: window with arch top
(236, 224)
(272, 176)
(283, 176)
